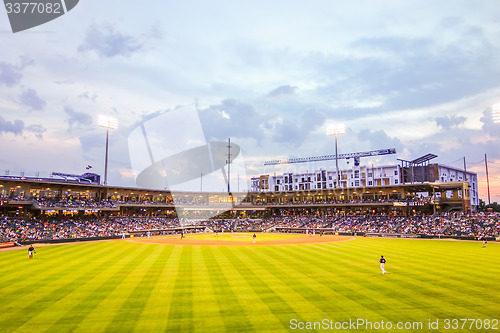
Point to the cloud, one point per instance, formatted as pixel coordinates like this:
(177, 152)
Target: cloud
(108, 43)
(15, 127)
(447, 122)
(296, 132)
(282, 90)
(86, 95)
(31, 99)
(231, 118)
(10, 75)
(380, 74)
(489, 126)
(37, 129)
(379, 139)
(77, 118)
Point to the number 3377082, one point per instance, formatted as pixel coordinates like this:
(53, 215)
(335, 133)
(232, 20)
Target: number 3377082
(468, 324)
(33, 8)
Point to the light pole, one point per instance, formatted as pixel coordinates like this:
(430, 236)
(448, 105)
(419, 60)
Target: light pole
(108, 123)
(496, 113)
(496, 119)
(336, 130)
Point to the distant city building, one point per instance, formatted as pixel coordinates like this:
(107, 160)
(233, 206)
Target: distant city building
(367, 176)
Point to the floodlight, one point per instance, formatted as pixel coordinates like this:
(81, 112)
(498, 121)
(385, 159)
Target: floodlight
(336, 129)
(107, 122)
(496, 113)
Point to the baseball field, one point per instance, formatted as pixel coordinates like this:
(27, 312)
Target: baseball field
(229, 284)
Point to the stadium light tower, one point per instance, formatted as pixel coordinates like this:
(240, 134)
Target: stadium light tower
(336, 130)
(496, 113)
(108, 123)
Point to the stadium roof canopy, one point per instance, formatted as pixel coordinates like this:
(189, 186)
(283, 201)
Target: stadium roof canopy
(423, 159)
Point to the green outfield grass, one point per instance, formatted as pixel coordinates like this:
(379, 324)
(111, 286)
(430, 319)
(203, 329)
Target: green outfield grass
(121, 286)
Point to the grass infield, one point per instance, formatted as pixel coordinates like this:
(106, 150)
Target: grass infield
(120, 286)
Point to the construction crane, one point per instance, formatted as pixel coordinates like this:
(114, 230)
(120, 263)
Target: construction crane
(355, 156)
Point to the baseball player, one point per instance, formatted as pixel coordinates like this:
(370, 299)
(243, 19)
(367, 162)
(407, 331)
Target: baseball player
(31, 250)
(382, 264)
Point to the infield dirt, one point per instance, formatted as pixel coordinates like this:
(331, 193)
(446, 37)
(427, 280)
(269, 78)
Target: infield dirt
(213, 241)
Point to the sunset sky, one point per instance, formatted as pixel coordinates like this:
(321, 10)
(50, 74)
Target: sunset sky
(418, 76)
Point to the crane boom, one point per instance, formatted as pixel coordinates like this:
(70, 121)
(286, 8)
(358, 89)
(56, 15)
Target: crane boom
(356, 156)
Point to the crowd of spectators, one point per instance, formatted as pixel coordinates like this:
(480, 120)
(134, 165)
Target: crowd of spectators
(334, 201)
(74, 203)
(21, 229)
(89, 202)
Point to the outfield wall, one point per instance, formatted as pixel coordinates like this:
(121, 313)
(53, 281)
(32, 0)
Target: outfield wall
(327, 231)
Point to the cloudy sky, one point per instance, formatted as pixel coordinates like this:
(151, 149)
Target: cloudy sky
(418, 76)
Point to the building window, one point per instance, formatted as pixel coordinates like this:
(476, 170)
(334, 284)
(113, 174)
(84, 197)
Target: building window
(356, 183)
(356, 173)
(395, 181)
(395, 172)
(370, 183)
(370, 174)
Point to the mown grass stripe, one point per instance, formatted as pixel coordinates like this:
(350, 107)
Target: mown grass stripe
(262, 319)
(279, 307)
(33, 289)
(459, 296)
(375, 306)
(332, 276)
(98, 319)
(348, 273)
(159, 304)
(418, 294)
(14, 260)
(181, 316)
(291, 290)
(97, 291)
(129, 312)
(206, 312)
(298, 278)
(57, 256)
(230, 311)
(71, 282)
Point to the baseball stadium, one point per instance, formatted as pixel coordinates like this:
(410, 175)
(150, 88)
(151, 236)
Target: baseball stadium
(115, 259)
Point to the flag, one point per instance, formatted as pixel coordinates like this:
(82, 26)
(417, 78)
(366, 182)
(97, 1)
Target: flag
(89, 167)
